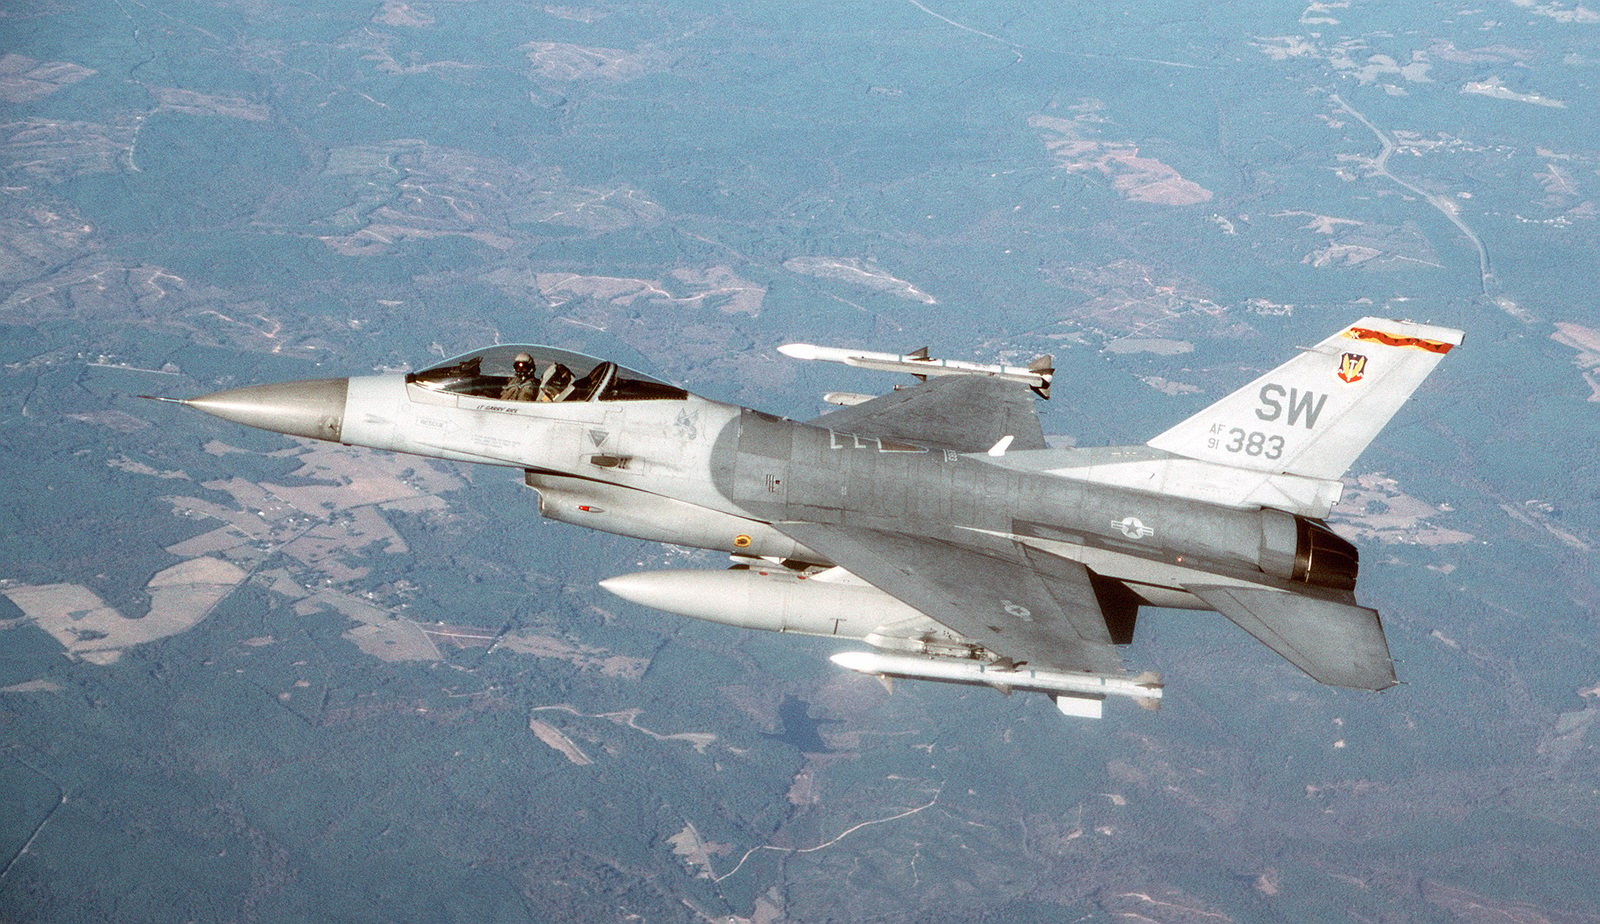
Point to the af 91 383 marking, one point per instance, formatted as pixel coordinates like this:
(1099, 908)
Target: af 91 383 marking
(1250, 443)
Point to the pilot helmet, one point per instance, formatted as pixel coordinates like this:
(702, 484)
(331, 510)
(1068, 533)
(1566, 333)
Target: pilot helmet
(523, 364)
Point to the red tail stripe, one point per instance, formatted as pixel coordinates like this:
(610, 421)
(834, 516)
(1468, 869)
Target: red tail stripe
(1432, 346)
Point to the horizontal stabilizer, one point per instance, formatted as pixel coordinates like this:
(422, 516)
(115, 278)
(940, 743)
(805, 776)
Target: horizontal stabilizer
(1340, 644)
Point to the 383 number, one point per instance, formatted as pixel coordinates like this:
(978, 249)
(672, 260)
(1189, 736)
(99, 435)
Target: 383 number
(1254, 443)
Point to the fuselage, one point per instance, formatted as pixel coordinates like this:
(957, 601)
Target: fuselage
(698, 472)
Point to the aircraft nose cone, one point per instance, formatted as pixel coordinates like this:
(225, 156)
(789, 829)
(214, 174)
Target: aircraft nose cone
(312, 408)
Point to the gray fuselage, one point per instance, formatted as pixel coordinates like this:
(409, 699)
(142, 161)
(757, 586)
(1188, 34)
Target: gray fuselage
(698, 472)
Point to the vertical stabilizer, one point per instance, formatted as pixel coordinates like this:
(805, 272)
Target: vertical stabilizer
(1314, 414)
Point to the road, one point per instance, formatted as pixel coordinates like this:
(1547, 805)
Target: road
(1446, 206)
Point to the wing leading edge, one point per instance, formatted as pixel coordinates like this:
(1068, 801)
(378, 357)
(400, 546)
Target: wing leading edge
(1033, 608)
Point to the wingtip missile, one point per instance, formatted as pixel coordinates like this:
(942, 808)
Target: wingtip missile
(801, 351)
(1036, 375)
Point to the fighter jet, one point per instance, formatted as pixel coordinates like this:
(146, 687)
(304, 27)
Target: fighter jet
(932, 523)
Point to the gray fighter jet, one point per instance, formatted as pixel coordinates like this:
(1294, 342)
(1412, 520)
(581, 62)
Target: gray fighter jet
(932, 523)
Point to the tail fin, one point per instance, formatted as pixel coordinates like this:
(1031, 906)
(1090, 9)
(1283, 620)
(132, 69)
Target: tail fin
(1314, 414)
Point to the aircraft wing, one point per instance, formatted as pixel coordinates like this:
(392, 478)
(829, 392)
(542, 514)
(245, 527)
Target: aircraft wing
(1336, 643)
(1027, 606)
(964, 413)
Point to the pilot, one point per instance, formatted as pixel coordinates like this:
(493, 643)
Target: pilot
(523, 384)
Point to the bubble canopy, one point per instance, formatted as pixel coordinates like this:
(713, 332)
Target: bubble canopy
(567, 376)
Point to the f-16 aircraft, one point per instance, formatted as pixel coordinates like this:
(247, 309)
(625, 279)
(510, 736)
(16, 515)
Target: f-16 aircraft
(932, 523)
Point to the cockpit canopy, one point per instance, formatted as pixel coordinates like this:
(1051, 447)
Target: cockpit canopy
(560, 375)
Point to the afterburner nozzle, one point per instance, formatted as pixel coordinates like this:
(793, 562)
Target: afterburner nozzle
(311, 408)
